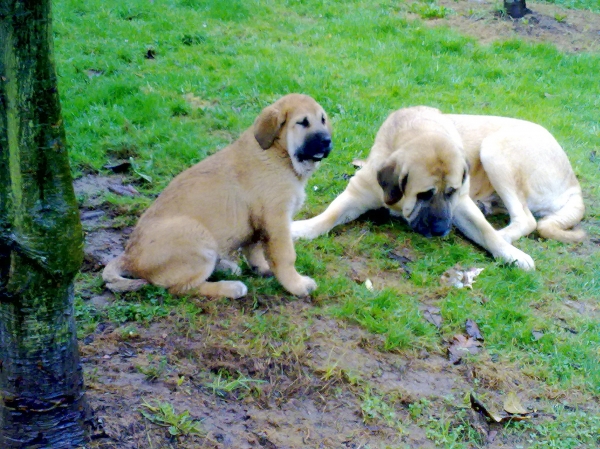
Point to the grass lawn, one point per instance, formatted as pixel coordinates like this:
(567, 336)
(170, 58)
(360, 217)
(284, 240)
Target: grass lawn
(163, 84)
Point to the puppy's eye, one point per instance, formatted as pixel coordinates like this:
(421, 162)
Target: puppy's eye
(451, 191)
(304, 123)
(323, 120)
(426, 196)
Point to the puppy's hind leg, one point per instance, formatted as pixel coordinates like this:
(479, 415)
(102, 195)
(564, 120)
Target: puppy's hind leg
(186, 260)
(206, 261)
(359, 197)
(255, 255)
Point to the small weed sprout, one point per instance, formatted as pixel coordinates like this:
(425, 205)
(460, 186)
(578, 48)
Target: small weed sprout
(429, 10)
(416, 409)
(560, 18)
(374, 408)
(153, 371)
(224, 384)
(163, 414)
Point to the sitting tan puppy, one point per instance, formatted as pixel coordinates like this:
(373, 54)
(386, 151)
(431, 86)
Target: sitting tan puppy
(435, 169)
(243, 196)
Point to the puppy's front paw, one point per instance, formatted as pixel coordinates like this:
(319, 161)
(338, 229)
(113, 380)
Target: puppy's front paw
(303, 286)
(233, 289)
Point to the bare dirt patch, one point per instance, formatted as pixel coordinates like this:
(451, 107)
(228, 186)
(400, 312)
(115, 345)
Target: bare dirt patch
(569, 30)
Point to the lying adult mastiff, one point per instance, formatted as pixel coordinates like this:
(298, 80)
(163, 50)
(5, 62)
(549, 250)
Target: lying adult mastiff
(243, 196)
(438, 169)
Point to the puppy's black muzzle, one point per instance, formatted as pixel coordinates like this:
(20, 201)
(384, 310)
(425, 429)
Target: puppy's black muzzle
(316, 146)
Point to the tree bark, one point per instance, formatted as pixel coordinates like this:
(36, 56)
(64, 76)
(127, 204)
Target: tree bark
(516, 8)
(42, 403)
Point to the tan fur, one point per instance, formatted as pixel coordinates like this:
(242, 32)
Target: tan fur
(243, 196)
(513, 165)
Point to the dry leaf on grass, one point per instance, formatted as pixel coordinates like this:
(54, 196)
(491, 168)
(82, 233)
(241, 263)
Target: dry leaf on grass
(369, 285)
(459, 278)
(432, 314)
(512, 404)
(502, 417)
(473, 330)
(461, 346)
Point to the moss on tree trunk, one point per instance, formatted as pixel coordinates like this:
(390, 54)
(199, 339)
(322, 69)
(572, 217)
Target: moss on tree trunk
(41, 242)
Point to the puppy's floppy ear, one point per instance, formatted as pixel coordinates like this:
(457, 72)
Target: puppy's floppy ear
(267, 126)
(387, 177)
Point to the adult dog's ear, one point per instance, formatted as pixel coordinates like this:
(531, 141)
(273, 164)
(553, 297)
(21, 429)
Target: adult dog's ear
(393, 190)
(267, 126)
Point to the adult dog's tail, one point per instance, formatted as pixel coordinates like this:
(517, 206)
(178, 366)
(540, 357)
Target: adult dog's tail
(113, 277)
(559, 225)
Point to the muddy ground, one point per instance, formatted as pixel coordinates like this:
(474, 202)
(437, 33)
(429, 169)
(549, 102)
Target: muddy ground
(569, 30)
(310, 394)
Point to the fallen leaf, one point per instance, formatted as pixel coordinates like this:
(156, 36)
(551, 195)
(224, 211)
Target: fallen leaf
(432, 314)
(470, 275)
(369, 285)
(459, 278)
(402, 260)
(461, 346)
(123, 190)
(479, 407)
(473, 330)
(502, 417)
(537, 335)
(119, 166)
(399, 257)
(137, 171)
(512, 404)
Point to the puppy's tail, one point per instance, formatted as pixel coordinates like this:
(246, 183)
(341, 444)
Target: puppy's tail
(113, 277)
(559, 225)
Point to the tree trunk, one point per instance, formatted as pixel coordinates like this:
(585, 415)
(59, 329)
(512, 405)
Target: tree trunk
(42, 404)
(516, 8)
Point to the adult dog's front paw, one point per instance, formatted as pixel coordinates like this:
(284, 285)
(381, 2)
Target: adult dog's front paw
(513, 255)
(303, 229)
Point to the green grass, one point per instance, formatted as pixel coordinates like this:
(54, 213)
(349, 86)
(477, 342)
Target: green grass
(591, 5)
(217, 64)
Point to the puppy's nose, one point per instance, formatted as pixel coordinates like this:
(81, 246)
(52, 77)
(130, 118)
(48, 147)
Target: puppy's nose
(326, 141)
